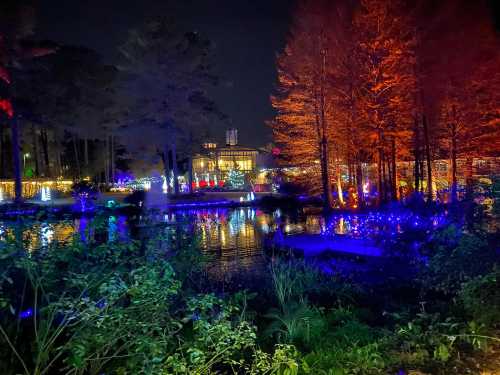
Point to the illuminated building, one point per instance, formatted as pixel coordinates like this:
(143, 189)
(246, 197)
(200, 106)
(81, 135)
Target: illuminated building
(214, 163)
(33, 187)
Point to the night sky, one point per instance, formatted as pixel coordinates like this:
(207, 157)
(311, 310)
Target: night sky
(247, 35)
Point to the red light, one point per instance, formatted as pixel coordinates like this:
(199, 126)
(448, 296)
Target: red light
(6, 106)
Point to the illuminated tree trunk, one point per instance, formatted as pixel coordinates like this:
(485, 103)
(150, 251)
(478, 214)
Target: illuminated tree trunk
(384, 176)
(416, 153)
(428, 159)
(339, 182)
(16, 160)
(327, 189)
(468, 177)
(359, 185)
(394, 175)
(380, 171)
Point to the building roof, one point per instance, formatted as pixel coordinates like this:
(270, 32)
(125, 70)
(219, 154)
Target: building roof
(236, 148)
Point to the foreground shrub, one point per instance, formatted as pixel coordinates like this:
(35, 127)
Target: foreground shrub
(456, 257)
(481, 298)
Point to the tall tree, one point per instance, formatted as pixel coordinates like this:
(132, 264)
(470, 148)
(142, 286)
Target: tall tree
(386, 53)
(167, 74)
(16, 24)
(304, 99)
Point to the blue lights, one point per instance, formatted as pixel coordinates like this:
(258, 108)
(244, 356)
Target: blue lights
(25, 314)
(380, 224)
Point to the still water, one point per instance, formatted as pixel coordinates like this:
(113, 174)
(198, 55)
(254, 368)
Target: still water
(234, 239)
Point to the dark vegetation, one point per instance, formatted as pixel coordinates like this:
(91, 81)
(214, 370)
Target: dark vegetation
(149, 307)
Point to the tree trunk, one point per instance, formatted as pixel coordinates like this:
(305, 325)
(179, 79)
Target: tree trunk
(2, 152)
(384, 177)
(359, 185)
(325, 173)
(165, 155)
(86, 151)
(106, 160)
(394, 179)
(174, 167)
(453, 184)
(428, 160)
(77, 158)
(416, 150)
(35, 151)
(16, 160)
(45, 147)
(190, 173)
(339, 183)
(112, 158)
(469, 183)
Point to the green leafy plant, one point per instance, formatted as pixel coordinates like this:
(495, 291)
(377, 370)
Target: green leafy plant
(481, 298)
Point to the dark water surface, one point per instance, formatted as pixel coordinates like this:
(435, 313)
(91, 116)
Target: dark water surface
(234, 239)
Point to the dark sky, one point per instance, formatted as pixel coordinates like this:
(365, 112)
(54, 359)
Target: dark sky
(247, 35)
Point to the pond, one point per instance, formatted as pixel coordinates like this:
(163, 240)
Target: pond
(234, 239)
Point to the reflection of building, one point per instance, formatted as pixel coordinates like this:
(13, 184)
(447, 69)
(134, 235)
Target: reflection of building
(215, 161)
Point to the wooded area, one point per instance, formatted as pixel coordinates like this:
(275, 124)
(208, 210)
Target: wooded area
(379, 82)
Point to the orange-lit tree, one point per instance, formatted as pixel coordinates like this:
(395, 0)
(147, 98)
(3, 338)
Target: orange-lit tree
(386, 56)
(465, 80)
(303, 127)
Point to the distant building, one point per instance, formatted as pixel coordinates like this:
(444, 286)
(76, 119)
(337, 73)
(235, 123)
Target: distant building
(215, 162)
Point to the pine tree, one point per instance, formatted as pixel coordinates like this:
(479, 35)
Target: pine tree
(235, 179)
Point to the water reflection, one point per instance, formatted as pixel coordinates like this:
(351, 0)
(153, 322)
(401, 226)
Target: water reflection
(234, 238)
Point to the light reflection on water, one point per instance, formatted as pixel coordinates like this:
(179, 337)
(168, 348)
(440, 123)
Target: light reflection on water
(234, 238)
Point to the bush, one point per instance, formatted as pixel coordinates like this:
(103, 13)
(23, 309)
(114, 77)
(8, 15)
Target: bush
(456, 257)
(481, 298)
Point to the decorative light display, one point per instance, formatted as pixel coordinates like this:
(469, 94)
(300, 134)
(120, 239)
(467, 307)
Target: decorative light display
(6, 107)
(164, 185)
(379, 224)
(366, 188)
(31, 188)
(171, 180)
(236, 179)
(46, 234)
(45, 195)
